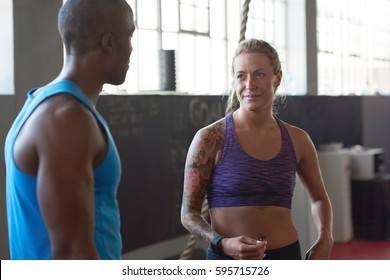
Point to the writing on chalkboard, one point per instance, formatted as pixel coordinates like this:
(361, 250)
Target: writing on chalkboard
(153, 134)
(203, 113)
(124, 124)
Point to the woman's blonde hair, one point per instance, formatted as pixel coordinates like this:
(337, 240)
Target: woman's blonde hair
(254, 46)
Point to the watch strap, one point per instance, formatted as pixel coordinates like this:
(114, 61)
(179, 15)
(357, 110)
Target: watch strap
(216, 244)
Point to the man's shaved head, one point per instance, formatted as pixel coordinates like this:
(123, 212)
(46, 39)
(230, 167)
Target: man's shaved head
(82, 22)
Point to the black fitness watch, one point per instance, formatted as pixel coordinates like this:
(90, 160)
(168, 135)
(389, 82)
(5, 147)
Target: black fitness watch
(216, 245)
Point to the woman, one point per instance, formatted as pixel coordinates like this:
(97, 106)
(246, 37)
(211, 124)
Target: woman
(246, 163)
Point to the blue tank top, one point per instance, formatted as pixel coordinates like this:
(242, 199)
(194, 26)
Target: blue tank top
(28, 236)
(242, 180)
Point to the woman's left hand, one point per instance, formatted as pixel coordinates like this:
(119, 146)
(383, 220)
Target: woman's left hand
(320, 250)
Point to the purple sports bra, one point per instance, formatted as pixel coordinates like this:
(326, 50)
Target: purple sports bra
(242, 180)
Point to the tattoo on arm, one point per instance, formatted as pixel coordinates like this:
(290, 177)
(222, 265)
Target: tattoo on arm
(199, 165)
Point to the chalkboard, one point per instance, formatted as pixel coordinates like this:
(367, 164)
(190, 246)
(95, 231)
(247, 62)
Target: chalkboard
(152, 134)
(326, 118)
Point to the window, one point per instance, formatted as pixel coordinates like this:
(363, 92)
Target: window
(194, 16)
(204, 35)
(353, 47)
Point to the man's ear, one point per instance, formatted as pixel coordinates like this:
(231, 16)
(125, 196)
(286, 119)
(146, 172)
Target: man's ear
(107, 42)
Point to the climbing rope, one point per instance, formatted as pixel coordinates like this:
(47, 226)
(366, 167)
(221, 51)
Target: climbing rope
(189, 249)
(244, 19)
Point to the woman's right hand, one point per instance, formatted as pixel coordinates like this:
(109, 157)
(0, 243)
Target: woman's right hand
(244, 248)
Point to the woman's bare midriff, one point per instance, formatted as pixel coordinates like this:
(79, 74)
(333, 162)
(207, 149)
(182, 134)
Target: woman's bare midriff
(271, 223)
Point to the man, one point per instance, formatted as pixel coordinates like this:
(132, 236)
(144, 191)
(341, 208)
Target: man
(62, 165)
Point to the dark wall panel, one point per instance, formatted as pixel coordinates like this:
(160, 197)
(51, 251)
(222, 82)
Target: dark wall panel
(326, 118)
(376, 124)
(153, 133)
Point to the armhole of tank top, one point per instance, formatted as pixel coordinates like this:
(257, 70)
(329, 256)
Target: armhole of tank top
(225, 140)
(283, 132)
(22, 121)
(70, 88)
(73, 90)
(286, 138)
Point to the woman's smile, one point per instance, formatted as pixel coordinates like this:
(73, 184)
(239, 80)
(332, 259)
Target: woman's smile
(251, 96)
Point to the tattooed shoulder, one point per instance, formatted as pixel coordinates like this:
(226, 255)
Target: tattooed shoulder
(215, 135)
(209, 138)
(201, 158)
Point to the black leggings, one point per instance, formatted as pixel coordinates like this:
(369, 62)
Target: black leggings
(289, 252)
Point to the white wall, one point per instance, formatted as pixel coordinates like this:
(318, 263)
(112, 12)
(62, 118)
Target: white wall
(6, 48)
(302, 217)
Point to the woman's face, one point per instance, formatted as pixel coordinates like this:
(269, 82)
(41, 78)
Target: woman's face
(255, 81)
